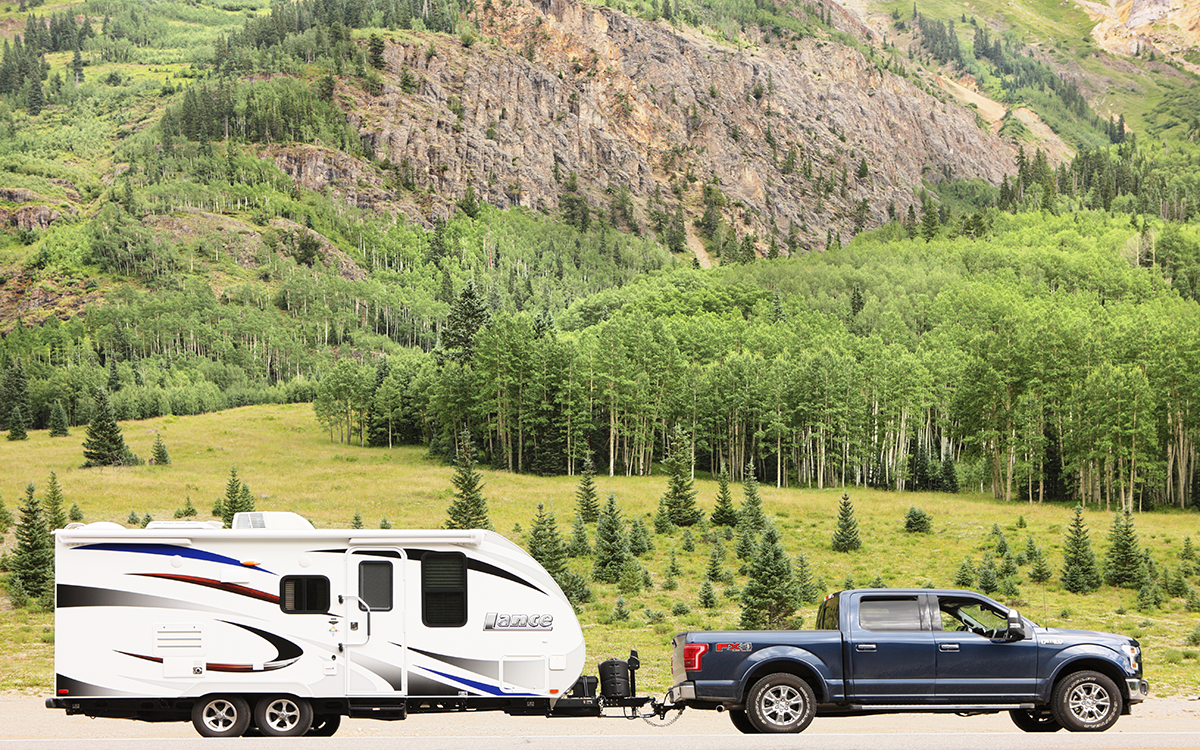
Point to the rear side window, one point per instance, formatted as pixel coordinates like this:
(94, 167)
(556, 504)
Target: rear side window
(444, 589)
(827, 618)
(896, 613)
(304, 595)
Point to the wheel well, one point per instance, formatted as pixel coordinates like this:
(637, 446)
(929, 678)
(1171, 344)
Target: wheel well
(1108, 669)
(799, 669)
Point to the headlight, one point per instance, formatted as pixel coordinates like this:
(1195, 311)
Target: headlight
(1132, 653)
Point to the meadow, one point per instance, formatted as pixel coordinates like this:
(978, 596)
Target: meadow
(289, 463)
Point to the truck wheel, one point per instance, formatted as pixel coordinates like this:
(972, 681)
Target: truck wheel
(1086, 702)
(325, 725)
(221, 716)
(741, 721)
(1034, 721)
(283, 716)
(780, 702)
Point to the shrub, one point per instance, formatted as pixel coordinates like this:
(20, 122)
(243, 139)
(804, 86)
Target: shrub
(917, 521)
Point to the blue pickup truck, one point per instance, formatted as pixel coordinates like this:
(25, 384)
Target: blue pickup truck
(910, 650)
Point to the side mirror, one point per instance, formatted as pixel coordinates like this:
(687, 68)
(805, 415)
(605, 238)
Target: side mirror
(1016, 627)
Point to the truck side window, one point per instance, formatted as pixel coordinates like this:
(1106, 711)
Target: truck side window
(895, 613)
(827, 618)
(444, 589)
(971, 616)
(304, 595)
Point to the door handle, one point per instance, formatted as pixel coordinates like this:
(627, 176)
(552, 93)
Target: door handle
(947, 647)
(865, 647)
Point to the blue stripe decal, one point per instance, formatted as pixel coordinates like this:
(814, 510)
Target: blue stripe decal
(172, 550)
(480, 686)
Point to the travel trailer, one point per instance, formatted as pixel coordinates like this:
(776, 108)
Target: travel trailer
(278, 627)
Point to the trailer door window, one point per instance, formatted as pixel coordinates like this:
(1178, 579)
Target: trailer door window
(444, 589)
(304, 595)
(375, 585)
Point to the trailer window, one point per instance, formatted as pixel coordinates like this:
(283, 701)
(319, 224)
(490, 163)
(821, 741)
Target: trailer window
(375, 585)
(889, 614)
(444, 589)
(304, 595)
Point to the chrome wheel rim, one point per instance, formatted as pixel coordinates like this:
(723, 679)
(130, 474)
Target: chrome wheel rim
(1089, 702)
(282, 715)
(782, 705)
(220, 716)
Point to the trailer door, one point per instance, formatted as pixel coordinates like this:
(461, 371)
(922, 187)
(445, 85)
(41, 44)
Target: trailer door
(374, 637)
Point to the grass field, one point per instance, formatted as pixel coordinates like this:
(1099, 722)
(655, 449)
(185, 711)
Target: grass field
(289, 463)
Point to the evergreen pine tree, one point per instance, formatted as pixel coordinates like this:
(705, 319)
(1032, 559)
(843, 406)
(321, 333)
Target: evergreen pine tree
(771, 596)
(35, 97)
(1031, 548)
(159, 454)
(673, 569)
(1001, 545)
(357, 522)
(546, 544)
(630, 580)
(1040, 572)
(708, 597)
(579, 546)
(469, 509)
(747, 543)
(806, 587)
(1150, 596)
(680, 497)
(917, 521)
(612, 548)
(187, 511)
(105, 445)
(76, 513)
(662, 517)
(639, 538)
(586, 501)
(1123, 562)
(848, 583)
(620, 611)
(52, 506)
(877, 582)
(146, 519)
(752, 506)
(1189, 551)
(715, 559)
(233, 498)
(1008, 567)
(245, 500)
(384, 523)
(133, 519)
(724, 514)
(949, 479)
(468, 314)
(965, 577)
(845, 537)
(1080, 574)
(33, 559)
(16, 425)
(58, 421)
(6, 519)
(988, 581)
(689, 542)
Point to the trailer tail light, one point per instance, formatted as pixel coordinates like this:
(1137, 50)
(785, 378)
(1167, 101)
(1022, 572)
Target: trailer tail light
(692, 653)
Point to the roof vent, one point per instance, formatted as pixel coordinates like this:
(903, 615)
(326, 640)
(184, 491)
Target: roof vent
(271, 519)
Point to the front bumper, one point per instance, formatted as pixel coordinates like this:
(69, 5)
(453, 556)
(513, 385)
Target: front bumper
(1139, 690)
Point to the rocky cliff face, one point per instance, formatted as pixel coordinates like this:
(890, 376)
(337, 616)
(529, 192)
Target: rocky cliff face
(554, 87)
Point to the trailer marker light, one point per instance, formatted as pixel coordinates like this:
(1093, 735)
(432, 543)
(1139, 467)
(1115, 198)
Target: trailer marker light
(63, 691)
(250, 563)
(553, 691)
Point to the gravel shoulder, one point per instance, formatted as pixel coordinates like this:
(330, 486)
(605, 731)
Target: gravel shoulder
(26, 717)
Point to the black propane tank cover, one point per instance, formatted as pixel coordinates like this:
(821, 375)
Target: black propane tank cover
(614, 678)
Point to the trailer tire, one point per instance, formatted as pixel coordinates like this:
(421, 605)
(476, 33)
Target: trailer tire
(221, 716)
(283, 716)
(1034, 721)
(741, 722)
(1086, 702)
(780, 703)
(325, 725)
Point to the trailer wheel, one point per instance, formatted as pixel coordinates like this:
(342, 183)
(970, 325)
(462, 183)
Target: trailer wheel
(1034, 721)
(221, 716)
(779, 703)
(325, 725)
(283, 716)
(1086, 702)
(741, 721)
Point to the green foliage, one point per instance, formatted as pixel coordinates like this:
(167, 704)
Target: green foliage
(752, 513)
(16, 425)
(187, 511)
(578, 546)
(680, 497)
(964, 578)
(806, 587)
(639, 538)
(845, 536)
(771, 596)
(1041, 572)
(33, 560)
(1080, 574)
(58, 421)
(689, 542)
(53, 504)
(6, 519)
(988, 580)
(716, 559)
(917, 521)
(587, 503)
(159, 455)
(469, 508)
(747, 544)
(723, 513)
(612, 546)
(105, 445)
(546, 544)
(620, 610)
(630, 580)
(1123, 565)
(708, 597)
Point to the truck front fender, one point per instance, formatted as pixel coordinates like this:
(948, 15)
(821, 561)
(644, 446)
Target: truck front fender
(1084, 656)
(825, 681)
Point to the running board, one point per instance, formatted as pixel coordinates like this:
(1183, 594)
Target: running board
(934, 708)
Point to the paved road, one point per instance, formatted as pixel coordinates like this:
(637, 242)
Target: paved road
(25, 723)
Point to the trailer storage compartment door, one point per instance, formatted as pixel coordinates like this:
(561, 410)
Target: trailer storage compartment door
(374, 636)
